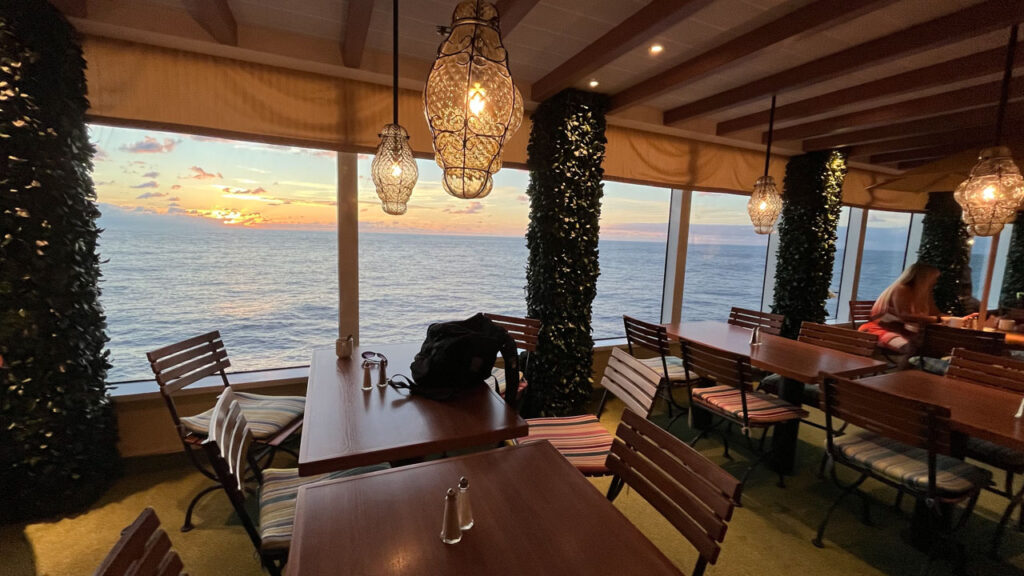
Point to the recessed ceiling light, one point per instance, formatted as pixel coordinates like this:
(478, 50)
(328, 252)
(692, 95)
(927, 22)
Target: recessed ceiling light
(594, 83)
(656, 49)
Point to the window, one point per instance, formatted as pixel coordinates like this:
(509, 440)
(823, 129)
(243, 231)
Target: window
(208, 234)
(725, 258)
(885, 247)
(832, 304)
(634, 232)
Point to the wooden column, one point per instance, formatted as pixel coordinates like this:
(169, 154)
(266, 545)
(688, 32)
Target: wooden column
(675, 256)
(986, 285)
(348, 246)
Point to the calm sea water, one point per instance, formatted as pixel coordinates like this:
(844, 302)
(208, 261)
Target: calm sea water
(273, 293)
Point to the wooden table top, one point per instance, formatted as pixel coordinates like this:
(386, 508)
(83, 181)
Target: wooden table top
(788, 358)
(975, 409)
(533, 514)
(345, 426)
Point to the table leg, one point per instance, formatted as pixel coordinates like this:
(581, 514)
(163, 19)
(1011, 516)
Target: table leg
(785, 436)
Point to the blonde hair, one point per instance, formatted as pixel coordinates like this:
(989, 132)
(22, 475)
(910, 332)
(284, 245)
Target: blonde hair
(917, 276)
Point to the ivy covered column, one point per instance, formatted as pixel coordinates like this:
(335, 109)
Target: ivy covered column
(1013, 277)
(812, 191)
(58, 437)
(944, 245)
(565, 153)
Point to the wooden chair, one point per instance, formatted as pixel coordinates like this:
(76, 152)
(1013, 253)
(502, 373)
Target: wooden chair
(654, 338)
(228, 448)
(582, 439)
(689, 490)
(728, 395)
(860, 312)
(768, 323)
(903, 443)
(525, 332)
(274, 418)
(143, 550)
(940, 340)
(1008, 374)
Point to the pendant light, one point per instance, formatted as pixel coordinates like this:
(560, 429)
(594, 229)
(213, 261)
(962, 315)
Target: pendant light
(765, 203)
(472, 105)
(994, 192)
(394, 168)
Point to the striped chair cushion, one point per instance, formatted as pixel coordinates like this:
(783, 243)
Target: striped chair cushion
(995, 454)
(499, 377)
(277, 501)
(676, 371)
(909, 466)
(266, 415)
(581, 439)
(761, 408)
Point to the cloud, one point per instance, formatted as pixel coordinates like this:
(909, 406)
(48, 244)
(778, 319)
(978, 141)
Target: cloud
(229, 216)
(150, 145)
(146, 195)
(523, 198)
(150, 174)
(197, 173)
(103, 183)
(100, 155)
(198, 138)
(176, 187)
(150, 184)
(471, 208)
(174, 199)
(256, 170)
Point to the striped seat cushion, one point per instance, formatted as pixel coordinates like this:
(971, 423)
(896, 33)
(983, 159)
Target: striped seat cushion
(499, 377)
(266, 415)
(908, 465)
(581, 439)
(761, 408)
(277, 501)
(676, 371)
(995, 454)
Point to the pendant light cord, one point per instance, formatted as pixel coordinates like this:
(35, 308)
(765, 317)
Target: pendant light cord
(771, 129)
(1011, 49)
(394, 60)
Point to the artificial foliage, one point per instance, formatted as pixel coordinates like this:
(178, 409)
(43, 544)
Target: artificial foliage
(565, 152)
(58, 435)
(812, 192)
(944, 245)
(1013, 277)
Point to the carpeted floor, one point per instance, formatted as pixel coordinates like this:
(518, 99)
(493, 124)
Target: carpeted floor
(770, 535)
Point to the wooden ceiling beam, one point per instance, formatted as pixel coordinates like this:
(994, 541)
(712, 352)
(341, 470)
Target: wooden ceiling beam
(357, 28)
(939, 151)
(976, 118)
(817, 15)
(512, 13)
(966, 135)
(215, 17)
(965, 68)
(649, 21)
(72, 8)
(962, 99)
(967, 23)
(914, 163)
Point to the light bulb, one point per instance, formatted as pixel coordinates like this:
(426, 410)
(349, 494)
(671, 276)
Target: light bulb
(396, 170)
(762, 206)
(656, 48)
(476, 99)
(989, 193)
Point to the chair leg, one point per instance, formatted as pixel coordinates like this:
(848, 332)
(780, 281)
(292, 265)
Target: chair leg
(824, 464)
(817, 540)
(191, 506)
(702, 565)
(997, 539)
(615, 488)
(600, 406)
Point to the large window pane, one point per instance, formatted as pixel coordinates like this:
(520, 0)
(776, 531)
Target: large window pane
(832, 304)
(208, 234)
(885, 245)
(725, 258)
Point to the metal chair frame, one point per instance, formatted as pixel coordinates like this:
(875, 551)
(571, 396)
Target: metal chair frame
(654, 338)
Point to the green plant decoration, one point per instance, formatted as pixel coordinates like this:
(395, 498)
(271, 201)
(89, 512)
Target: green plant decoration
(565, 153)
(944, 245)
(58, 435)
(812, 191)
(1013, 277)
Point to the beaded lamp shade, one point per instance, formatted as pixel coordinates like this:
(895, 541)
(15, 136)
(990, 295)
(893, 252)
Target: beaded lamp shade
(993, 194)
(764, 205)
(471, 103)
(394, 169)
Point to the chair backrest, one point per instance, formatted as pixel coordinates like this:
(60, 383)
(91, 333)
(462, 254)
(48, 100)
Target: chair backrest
(653, 337)
(523, 330)
(911, 422)
(143, 550)
(998, 371)
(689, 490)
(227, 448)
(630, 381)
(939, 341)
(181, 364)
(722, 367)
(860, 311)
(836, 338)
(768, 323)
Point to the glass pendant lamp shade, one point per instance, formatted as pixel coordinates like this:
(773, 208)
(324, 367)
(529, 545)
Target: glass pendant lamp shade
(394, 169)
(764, 205)
(993, 194)
(471, 103)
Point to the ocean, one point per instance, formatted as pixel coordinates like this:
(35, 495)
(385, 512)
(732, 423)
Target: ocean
(273, 293)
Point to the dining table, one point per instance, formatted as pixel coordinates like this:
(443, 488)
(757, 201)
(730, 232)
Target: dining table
(799, 363)
(533, 513)
(346, 426)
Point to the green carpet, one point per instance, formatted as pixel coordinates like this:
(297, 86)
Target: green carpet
(769, 535)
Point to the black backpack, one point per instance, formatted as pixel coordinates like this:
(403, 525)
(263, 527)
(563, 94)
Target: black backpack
(459, 355)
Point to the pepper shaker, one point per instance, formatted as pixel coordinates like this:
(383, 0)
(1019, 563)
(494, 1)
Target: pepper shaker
(367, 378)
(382, 373)
(450, 531)
(465, 509)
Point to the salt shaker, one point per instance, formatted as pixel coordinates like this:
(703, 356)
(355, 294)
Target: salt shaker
(465, 509)
(755, 336)
(450, 531)
(382, 373)
(367, 378)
